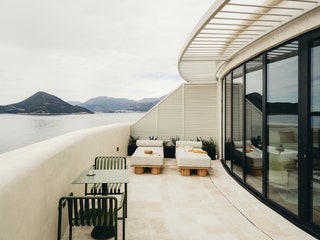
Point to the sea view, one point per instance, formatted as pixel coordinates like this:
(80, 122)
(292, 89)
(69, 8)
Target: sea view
(21, 130)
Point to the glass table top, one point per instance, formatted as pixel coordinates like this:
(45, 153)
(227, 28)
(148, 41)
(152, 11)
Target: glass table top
(103, 176)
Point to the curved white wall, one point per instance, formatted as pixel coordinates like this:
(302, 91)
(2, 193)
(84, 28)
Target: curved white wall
(34, 178)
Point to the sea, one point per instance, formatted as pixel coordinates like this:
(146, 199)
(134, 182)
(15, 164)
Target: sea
(17, 131)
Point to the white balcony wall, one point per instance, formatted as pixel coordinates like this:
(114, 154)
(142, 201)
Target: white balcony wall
(34, 178)
(253, 121)
(188, 112)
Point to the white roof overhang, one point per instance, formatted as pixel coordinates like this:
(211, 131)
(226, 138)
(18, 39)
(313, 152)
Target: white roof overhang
(230, 26)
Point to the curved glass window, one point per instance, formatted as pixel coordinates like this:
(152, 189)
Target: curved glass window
(253, 122)
(272, 128)
(315, 129)
(228, 145)
(237, 121)
(282, 123)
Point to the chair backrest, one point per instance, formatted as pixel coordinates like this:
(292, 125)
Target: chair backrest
(89, 211)
(109, 162)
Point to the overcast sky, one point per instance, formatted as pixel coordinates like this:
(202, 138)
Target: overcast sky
(80, 49)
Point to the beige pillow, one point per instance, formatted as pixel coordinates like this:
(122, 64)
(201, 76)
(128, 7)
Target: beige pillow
(286, 137)
(238, 144)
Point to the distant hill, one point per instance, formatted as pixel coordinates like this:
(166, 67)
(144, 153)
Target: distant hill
(283, 108)
(43, 103)
(274, 108)
(256, 99)
(109, 104)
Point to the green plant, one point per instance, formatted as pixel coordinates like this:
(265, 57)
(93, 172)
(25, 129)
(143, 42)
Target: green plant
(166, 143)
(228, 148)
(209, 146)
(207, 143)
(228, 144)
(256, 141)
(170, 147)
(132, 145)
(153, 138)
(174, 140)
(133, 140)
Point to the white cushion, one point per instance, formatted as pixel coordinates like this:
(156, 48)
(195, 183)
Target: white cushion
(191, 159)
(139, 158)
(239, 144)
(196, 144)
(149, 143)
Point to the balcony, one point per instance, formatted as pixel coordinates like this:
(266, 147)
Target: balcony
(165, 206)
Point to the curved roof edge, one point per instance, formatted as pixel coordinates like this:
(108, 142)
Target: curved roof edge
(221, 39)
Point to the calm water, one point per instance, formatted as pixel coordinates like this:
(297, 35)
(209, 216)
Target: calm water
(288, 118)
(20, 130)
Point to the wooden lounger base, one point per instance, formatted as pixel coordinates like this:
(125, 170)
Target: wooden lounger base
(202, 172)
(256, 171)
(141, 169)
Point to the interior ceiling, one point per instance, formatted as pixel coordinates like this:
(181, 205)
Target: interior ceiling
(228, 27)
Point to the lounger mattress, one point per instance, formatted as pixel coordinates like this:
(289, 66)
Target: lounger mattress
(191, 159)
(139, 158)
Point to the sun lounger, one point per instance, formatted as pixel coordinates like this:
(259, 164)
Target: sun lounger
(190, 156)
(149, 154)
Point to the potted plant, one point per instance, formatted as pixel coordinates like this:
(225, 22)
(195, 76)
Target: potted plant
(132, 146)
(209, 146)
(169, 147)
(257, 142)
(228, 149)
(153, 138)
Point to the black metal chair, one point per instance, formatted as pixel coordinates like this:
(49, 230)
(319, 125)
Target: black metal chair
(98, 211)
(109, 162)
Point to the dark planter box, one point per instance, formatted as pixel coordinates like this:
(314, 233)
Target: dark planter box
(169, 152)
(211, 152)
(131, 149)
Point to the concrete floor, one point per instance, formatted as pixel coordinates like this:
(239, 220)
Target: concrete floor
(169, 206)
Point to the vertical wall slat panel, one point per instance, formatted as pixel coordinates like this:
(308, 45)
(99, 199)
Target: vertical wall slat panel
(146, 126)
(200, 111)
(171, 115)
(188, 112)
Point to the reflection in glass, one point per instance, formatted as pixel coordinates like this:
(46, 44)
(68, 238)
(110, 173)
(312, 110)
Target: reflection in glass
(315, 124)
(253, 101)
(237, 120)
(282, 121)
(228, 149)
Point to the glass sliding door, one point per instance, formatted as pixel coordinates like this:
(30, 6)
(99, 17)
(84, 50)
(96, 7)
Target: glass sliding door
(315, 129)
(282, 125)
(253, 121)
(272, 128)
(237, 121)
(228, 148)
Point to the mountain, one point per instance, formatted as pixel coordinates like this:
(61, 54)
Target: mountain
(256, 99)
(43, 103)
(148, 100)
(142, 106)
(274, 108)
(282, 108)
(109, 104)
